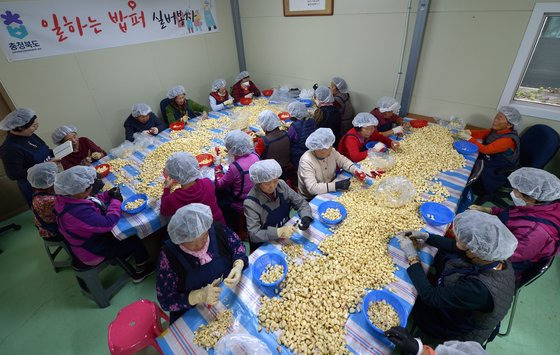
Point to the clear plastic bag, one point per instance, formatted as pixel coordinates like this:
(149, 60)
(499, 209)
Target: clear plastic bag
(381, 161)
(123, 150)
(451, 122)
(143, 140)
(239, 120)
(281, 96)
(240, 343)
(395, 191)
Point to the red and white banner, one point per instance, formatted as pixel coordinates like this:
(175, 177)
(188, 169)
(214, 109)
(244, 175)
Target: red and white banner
(34, 29)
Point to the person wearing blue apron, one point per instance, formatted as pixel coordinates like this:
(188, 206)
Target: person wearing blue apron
(268, 205)
(475, 280)
(22, 148)
(198, 255)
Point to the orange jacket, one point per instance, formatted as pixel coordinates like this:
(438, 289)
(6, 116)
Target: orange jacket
(498, 146)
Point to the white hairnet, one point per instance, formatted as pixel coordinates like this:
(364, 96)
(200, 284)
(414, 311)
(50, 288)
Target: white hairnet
(41, 176)
(268, 120)
(189, 222)
(484, 235)
(364, 119)
(340, 84)
(536, 183)
(175, 91)
(456, 347)
(265, 171)
(387, 103)
(238, 143)
(74, 180)
(297, 109)
(244, 74)
(61, 132)
(182, 167)
(324, 95)
(140, 110)
(322, 138)
(513, 116)
(217, 84)
(17, 118)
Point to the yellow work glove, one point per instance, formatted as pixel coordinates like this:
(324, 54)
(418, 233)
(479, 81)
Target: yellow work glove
(235, 274)
(286, 231)
(228, 102)
(465, 134)
(209, 294)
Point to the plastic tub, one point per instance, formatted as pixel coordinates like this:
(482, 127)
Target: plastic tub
(133, 198)
(418, 123)
(245, 101)
(177, 126)
(307, 102)
(383, 295)
(284, 115)
(259, 266)
(205, 156)
(268, 92)
(436, 214)
(100, 169)
(465, 147)
(331, 204)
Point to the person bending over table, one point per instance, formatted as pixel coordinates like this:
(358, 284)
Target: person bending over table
(244, 87)
(353, 143)
(500, 149)
(342, 102)
(41, 176)
(302, 126)
(275, 144)
(183, 168)
(475, 279)
(318, 166)
(195, 258)
(179, 108)
(326, 115)
(219, 97)
(85, 150)
(233, 186)
(268, 204)
(535, 218)
(142, 119)
(387, 113)
(22, 148)
(86, 222)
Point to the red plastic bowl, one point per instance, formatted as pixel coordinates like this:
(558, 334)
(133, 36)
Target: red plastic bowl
(177, 126)
(203, 157)
(101, 167)
(268, 92)
(418, 123)
(245, 101)
(284, 115)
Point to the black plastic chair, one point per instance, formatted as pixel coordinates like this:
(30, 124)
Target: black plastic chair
(529, 276)
(13, 226)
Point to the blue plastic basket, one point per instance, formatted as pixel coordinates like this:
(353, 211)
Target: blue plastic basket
(131, 199)
(380, 295)
(260, 265)
(441, 213)
(465, 147)
(307, 102)
(331, 204)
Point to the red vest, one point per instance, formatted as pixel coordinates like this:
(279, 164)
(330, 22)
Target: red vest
(219, 99)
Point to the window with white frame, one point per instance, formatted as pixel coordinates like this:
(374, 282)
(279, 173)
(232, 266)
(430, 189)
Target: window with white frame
(533, 86)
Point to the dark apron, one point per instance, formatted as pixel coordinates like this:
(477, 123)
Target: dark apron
(276, 217)
(40, 155)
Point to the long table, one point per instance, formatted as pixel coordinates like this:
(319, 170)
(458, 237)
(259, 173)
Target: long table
(178, 338)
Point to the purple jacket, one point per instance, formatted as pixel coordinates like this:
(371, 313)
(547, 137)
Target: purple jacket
(535, 240)
(232, 179)
(86, 220)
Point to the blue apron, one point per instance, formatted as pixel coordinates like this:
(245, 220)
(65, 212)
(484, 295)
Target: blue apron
(276, 217)
(40, 155)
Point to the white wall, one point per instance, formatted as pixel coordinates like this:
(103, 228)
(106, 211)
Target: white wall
(94, 90)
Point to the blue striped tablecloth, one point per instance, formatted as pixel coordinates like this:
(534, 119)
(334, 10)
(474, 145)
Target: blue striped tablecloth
(178, 338)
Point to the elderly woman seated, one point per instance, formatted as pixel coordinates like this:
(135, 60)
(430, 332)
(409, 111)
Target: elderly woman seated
(342, 102)
(318, 166)
(268, 205)
(535, 218)
(85, 151)
(326, 115)
(199, 253)
(302, 126)
(386, 113)
(475, 279)
(353, 143)
(179, 108)
(500, 149)
(244, 87)
(219, 97)
(41, 177)
(182, 168)
(142, 119)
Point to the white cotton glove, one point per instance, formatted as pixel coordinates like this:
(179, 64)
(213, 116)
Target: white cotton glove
(154, 130)
(235, 274)
(465, 134)
(209, 294)
(204, 115)
(398, 130)
(379, 147)
(412, 234)
(408, 248)
(286, 231)
(228, 102)
(249, 95)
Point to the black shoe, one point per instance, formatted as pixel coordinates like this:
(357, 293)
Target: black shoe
(145, 270)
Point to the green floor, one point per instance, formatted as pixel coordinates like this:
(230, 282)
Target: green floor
(45, 313)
